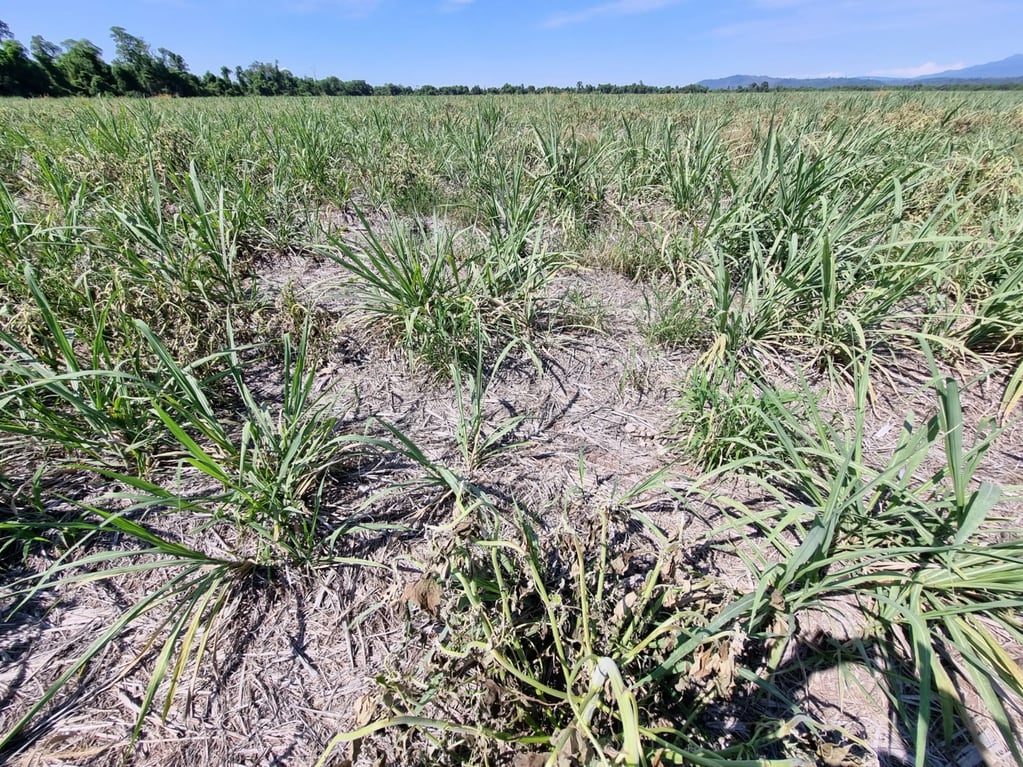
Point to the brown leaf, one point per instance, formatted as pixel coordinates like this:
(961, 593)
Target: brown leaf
(424, 594)
(835, 756)
(577, 750)
(624, 607)
(715, 665)
(726, 669)
(365, 707)
(530, 760)
(620, 563)
(778, 600)
(704, 664)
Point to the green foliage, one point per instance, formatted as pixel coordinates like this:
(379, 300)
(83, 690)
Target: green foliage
(693, 164)
(905, 542)
(74, 394)
(549, 642)
(188, 603)
(572, 170)
(19, 75)
(675, 318)
(82, 69)
(721, 418)
(272, 474)
(477, 443)
(439, 297)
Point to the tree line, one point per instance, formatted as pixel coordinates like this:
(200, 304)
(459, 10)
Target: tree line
(77, 68)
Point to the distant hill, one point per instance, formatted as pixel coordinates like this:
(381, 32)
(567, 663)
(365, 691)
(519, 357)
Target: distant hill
(744, 81)
(1006, 70)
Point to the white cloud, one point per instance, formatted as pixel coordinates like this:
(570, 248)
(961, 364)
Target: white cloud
(616, 8)
(455, 5)
(928, 68)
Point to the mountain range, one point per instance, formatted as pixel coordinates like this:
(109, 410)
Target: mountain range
(1005, 70)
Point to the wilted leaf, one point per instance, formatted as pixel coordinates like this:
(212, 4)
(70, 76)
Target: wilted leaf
(620, 563)
(624, 607)
(704, 664)
(530, 760)
(365, 707)
(577, 751)
(716, 665)
(836, 756)
(424, 594)
(778, 600)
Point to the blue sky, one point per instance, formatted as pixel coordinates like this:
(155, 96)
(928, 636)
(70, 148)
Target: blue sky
(559, 42)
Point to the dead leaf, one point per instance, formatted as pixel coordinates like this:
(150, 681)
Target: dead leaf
(624, 607)
(620, 563)
(704, 664)
(726, 669)
(365, 707)
(715, 665)
(778, 600)
(577, 750)
(424, 594)
(530, 760)
(835, 756)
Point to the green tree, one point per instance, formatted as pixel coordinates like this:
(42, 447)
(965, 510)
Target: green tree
(263, 79)
(332, 86)
(137, 70)
(19, 75)
(178, 81)
(46, 54)
(212, 85)
(358, 88)
(228, 88)
(83, 68)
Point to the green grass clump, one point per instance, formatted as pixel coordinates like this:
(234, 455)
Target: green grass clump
(438, 295)
(587, 648)
(674, 318)
(549, 644)
(919, 550)
(721, 417)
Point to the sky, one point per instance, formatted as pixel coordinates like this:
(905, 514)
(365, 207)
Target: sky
(558, 42)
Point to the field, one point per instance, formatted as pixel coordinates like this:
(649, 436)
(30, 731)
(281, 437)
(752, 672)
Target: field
(559, 430)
